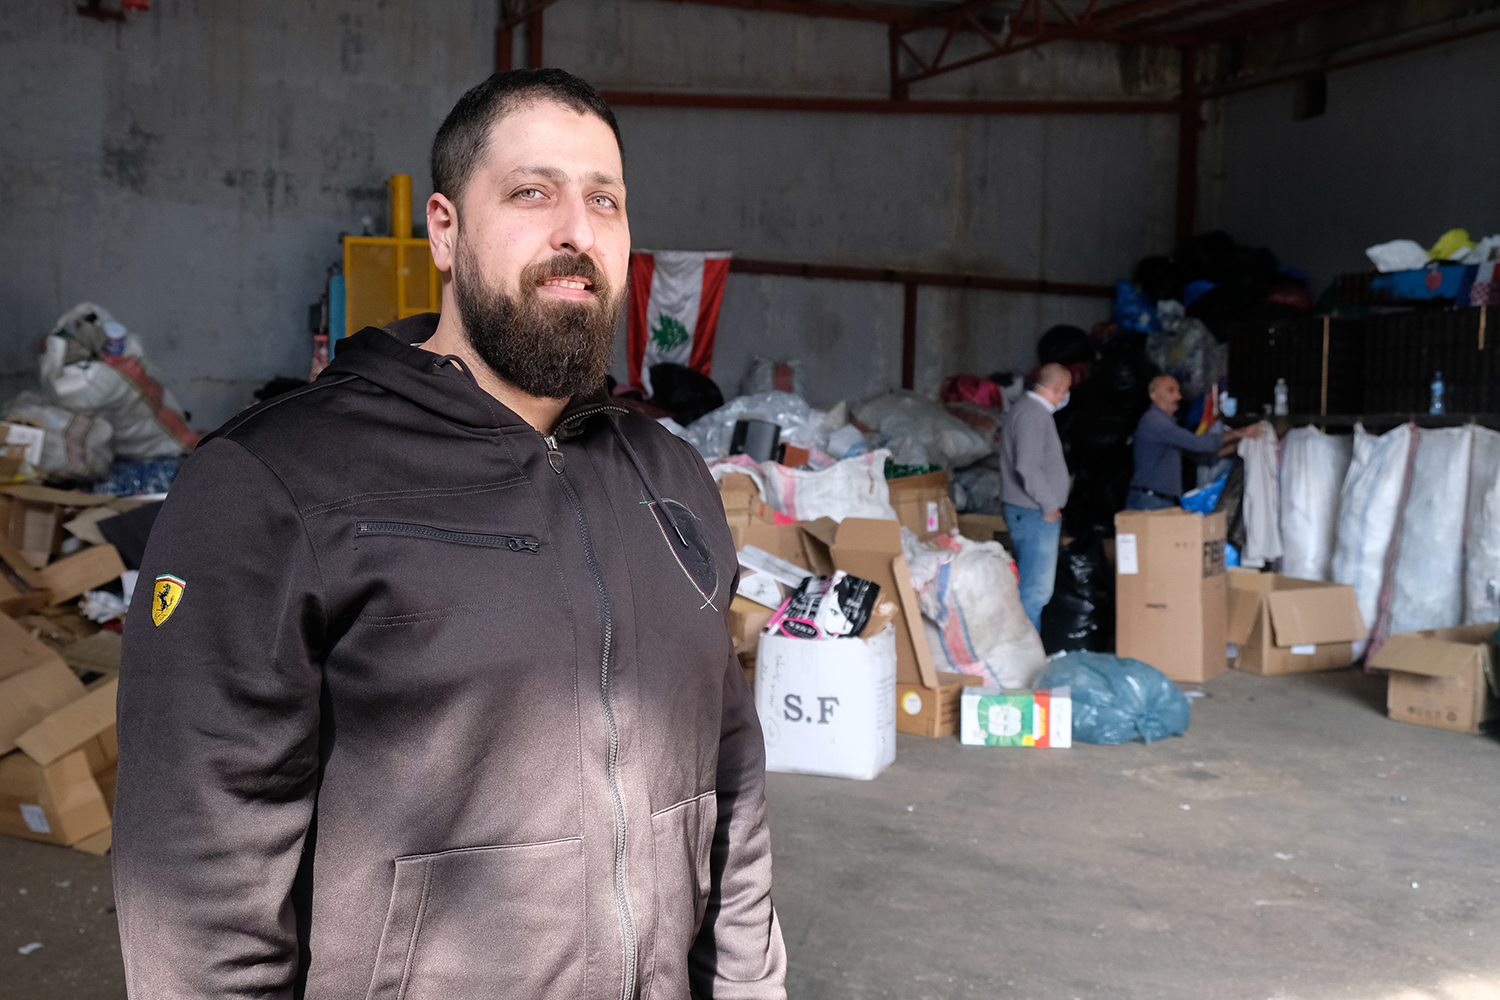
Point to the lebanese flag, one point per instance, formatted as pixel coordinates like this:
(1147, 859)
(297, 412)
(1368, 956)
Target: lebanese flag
(674, 310)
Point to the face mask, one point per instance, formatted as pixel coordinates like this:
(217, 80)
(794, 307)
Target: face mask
(1066, 397)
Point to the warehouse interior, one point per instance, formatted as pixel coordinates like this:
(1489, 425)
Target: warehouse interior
(1285, 207)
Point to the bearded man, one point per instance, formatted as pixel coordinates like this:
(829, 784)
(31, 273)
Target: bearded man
(427, 689)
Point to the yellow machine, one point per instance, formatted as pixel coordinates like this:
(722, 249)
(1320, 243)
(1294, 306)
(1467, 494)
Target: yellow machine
(387, 278)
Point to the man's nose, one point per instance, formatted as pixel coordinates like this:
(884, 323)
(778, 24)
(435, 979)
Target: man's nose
(574, 231)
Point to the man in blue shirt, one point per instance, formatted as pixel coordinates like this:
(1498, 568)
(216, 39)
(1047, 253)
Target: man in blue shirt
(1160, 444)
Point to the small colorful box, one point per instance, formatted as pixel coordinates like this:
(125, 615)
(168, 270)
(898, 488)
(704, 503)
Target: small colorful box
(1005, 717)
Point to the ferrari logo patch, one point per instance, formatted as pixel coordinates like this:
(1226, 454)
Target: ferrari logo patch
(165, 597)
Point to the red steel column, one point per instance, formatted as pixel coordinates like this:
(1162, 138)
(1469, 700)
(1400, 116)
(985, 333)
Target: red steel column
(534, 40)
(909, 336)
(504, 46)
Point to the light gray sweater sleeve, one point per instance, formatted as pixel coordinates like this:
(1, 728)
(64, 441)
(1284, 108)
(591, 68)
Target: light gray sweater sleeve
(1040, 465)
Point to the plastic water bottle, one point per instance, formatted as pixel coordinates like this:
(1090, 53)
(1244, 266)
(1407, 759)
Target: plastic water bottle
(114, 338)
(1282, 408)
(1436, 406)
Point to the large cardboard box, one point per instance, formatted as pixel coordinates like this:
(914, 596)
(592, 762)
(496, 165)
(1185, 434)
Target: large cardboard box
(1171, 603)
(827, 706)
(743, 505)
(1443, 677)
(1283, 625)
(923, 505)
(57, 747)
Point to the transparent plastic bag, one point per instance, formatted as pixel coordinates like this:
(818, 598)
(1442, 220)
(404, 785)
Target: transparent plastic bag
(1313, 467)
(1116, 700)
(800, 424)
(920, 432)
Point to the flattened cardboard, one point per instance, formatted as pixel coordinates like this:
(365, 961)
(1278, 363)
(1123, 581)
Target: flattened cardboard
(86, 525)
(71, 726)
(34, 682)
(62, 802)
(1171, 605)
(1442, 677)
(85, 570)
(31, 493)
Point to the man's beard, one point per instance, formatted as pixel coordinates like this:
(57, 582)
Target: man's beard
(553, 350)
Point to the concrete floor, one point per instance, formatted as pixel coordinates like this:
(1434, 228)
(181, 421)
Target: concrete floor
(1271, 854)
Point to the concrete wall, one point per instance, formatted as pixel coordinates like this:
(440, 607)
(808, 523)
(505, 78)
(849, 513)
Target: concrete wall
(1406, 149)
(1060, 197)
(191, 170)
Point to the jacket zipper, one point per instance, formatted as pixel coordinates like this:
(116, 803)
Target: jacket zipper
(622, 901)
(410, 529)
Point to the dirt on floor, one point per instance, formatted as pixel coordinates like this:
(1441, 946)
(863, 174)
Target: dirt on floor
(1295, 845)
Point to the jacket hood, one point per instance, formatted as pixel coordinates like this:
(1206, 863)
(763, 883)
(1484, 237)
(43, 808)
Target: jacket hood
(394, 359)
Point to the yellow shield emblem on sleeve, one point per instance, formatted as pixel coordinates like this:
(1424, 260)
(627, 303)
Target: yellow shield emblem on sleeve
(165, 597)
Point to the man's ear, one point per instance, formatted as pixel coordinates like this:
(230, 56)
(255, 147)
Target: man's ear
(442, 232)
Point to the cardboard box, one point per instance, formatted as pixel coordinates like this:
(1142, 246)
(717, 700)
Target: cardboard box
(19, 443)
(1283, 625)
(928, 711)
(872, 549)
(57, 746)
(827, 706)
(1443, 677)
(983, 527)
(1001, 717)
(742, 504)
(83, 570)
(923, 505)
(1171, 605)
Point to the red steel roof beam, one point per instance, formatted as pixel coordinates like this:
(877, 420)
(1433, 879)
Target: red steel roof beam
(811, 8)
(1268, 17)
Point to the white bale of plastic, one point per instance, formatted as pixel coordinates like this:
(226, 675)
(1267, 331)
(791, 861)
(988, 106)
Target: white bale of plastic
(75, 446)
(800, 424)
(1482, 531)
(147, 421)
(1428, 587)
(1370, 513)
(968, 594)
(1313, 467)
(920, 432)
(855, 487)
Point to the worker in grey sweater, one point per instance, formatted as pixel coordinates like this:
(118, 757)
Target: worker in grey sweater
(1034, 485)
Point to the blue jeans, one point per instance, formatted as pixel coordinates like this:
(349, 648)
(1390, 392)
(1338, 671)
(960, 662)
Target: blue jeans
(1136, 500)
(1035, 540)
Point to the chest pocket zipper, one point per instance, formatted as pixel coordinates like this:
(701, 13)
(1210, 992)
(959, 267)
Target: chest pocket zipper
(478, 539)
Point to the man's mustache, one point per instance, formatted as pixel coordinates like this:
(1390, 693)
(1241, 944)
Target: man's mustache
(566, 266)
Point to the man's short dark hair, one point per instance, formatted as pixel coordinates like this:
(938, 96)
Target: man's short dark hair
(464, 136)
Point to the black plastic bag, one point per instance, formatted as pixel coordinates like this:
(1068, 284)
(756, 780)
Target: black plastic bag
(1065, 345)
(1081, 614)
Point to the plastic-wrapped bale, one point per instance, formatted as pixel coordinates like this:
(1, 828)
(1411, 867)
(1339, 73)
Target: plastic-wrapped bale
(1427, 588)
(1117, 699)
(1482, 531)
(1370, 512)
(968, 592)
(80, 372)
(920, 432)
(855, 487)
(1313, 467)
(76, 446)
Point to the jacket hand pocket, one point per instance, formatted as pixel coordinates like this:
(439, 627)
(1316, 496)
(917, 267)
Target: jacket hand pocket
(485, 922)
(684, 839)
